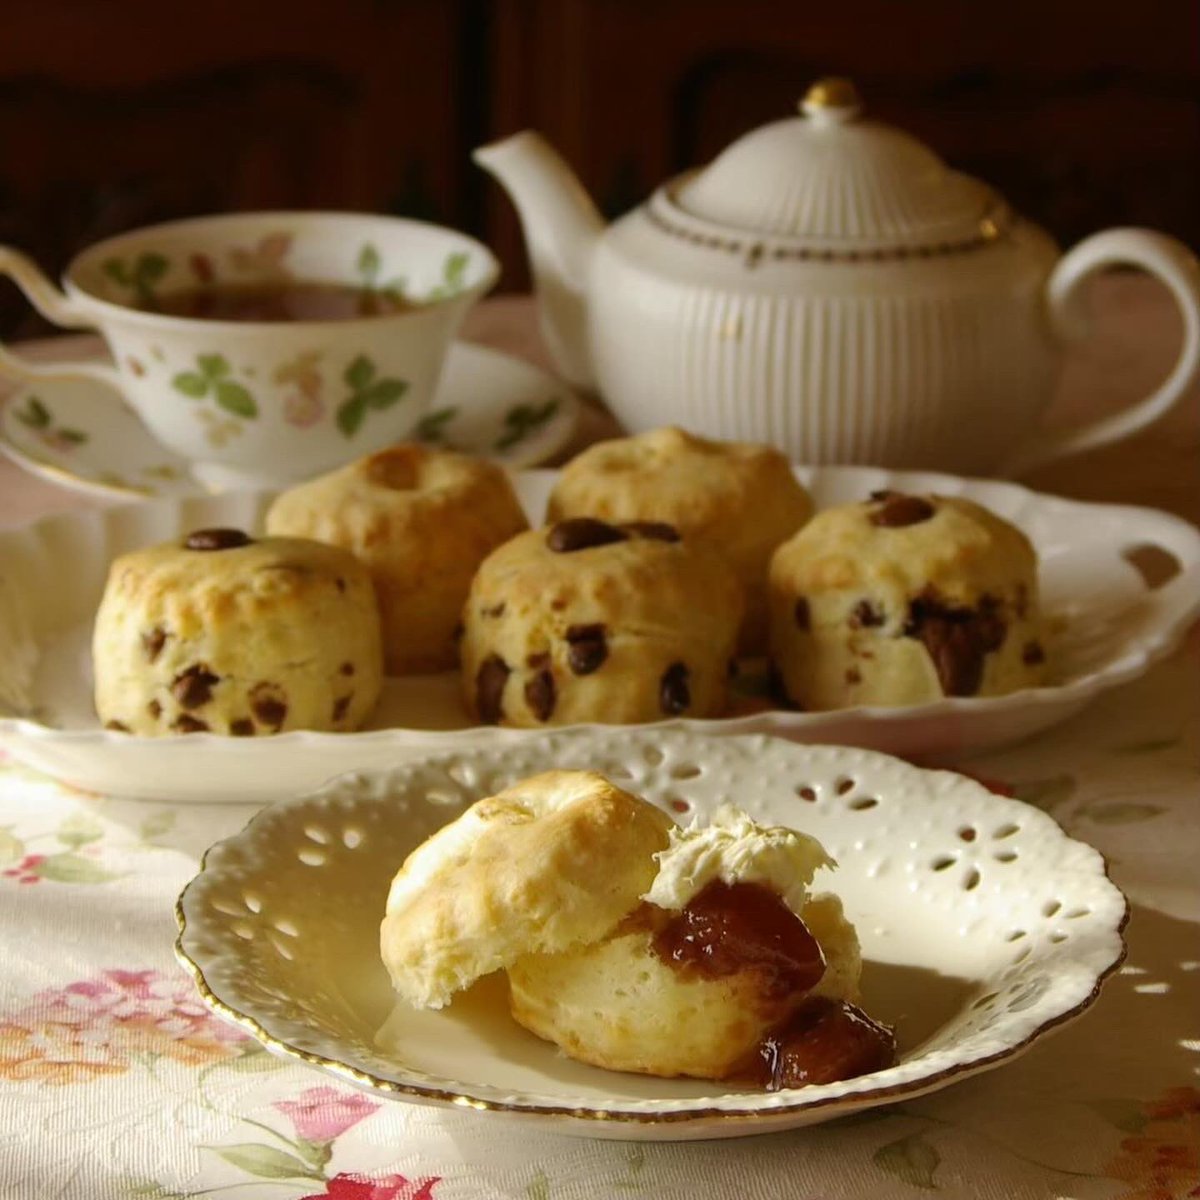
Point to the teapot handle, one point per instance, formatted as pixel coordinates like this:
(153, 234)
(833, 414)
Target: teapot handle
(1163, 257)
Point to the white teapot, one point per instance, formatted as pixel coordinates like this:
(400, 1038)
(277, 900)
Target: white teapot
(828, 285)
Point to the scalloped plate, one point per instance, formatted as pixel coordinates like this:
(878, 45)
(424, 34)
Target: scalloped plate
(983, 926)
(1107, 626)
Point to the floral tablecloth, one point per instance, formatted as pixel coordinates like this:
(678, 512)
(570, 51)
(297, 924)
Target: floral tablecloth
(116, 1082)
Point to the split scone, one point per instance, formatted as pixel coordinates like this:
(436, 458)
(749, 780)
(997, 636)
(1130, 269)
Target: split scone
(634, 945)
(586, 621)
(225, 633)
(421, 521)
(740, 497)
(904, 599)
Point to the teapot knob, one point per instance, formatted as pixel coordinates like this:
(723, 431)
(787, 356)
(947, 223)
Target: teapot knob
(832, 99)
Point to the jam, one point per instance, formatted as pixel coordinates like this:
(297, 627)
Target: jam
(823, 1041)
(727, 928)
(730, 928)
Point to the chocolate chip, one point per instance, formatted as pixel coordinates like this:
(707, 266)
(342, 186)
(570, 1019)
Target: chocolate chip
(853, 676)
(537, 661)
(154, 709)
(674, 692)
(496, 610)
(1033, 654)
(216, 539)
(268, 704)
(896, 510)
(153, 640)
(777, 689)
(801, 615)
(865, 615)
(457, 632)
(347, 668)
(582, 533)
(489, 688)
(193, 687)
(540, 695)
(116, 726)
(587, 648)
(188, 724)
(957, 639)
(242, 727)
(340, 583)
(341, 705)
(658, 531)
(731, 669)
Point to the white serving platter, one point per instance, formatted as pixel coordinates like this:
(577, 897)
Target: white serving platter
(1107, 626)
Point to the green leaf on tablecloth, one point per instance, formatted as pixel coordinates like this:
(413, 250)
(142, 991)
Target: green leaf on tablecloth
(156, 824)
(539, 1187)
(265, 1161)
(148, 1189)
(315, 1153)
(1121, 812)
(256, 1058)
(11, 848)
(1045, 794)
(79, 829)
(72, 868)
(911, 1159)
(1120, 1112)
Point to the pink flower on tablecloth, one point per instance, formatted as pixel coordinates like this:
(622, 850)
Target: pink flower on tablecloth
(321, 1114)
(1162, 1160)
(107, 1024)
(380, 1187)
(26, 870)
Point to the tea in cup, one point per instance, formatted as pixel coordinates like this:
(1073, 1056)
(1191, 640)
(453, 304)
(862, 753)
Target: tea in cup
(267, 347)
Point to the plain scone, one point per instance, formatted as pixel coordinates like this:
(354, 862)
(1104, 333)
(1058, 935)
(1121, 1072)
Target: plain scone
(551, 862)
(739, 497)
(421, 521)
(239, 637)
(902, 600)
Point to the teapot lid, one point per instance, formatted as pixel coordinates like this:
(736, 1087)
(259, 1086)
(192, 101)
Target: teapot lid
(834, 178)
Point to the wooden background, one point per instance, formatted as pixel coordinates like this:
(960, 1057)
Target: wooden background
(113, 115)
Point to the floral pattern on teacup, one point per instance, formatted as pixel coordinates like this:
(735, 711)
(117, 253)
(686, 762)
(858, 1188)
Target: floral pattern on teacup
(139, 276)
(37, 416)
(211, 377)
(369, 391)
(301, 376)
(266, 258)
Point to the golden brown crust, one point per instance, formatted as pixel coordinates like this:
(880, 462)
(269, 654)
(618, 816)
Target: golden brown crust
(848, 594)
(421, 521)
(553, 861)
(644, 607)
(742, 498)
(278, 634)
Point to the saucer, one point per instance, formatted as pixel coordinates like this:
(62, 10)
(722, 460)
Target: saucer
(81, 435)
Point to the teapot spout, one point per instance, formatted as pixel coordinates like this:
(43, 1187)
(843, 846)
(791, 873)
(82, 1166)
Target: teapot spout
(562, 227)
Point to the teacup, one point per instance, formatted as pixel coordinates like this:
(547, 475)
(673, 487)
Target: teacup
(266, 402)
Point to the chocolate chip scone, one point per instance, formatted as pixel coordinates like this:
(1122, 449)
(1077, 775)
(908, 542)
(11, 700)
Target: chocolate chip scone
(740, 497)
(902, 600)
(220, 632)
(586, 621)
(421, 521)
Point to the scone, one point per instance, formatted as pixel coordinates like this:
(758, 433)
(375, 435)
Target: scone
(729, 969)
(224, 633)
(551, 862)
(740, 497)
(421, 521)
(586, 621)
(902, 600)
